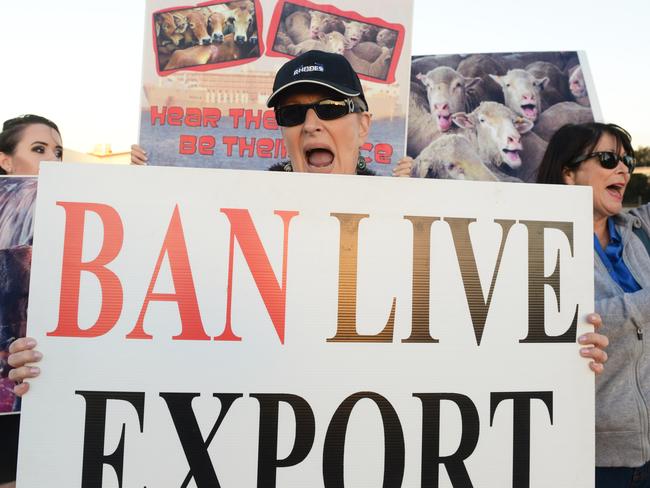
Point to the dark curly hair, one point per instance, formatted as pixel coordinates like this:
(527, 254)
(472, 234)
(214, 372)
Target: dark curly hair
(12, 131)
(574, 140)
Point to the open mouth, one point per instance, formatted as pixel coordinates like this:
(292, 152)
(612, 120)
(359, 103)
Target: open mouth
(513, 158)
(444, 122)
(529, 110)
(319, 158)
(616, 191)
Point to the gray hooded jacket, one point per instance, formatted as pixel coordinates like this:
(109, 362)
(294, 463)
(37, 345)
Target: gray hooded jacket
(623, 390)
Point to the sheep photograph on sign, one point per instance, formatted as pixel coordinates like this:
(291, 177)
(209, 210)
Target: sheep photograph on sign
(372, 46)
(303, 330)
(490, 116)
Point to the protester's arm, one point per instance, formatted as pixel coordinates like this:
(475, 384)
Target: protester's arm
(403, 167)
(138, 155)
(21, 355)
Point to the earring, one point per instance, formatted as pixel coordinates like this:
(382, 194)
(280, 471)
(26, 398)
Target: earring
(361, 163)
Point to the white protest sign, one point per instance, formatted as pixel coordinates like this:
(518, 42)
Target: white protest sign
(241, 329)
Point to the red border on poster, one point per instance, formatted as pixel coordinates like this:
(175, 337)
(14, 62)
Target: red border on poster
(259, 20)
(330, 9)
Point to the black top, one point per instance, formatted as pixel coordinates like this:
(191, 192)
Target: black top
(286, 166)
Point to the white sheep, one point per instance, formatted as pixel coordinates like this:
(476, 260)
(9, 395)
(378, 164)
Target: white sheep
(421, 128)
(522, 92)
(446, 93)
(334, 42)
(376, 69)
(578, 86)
(495, 131)
(560, 114)
(451, 157)
(354, 32)
(324, 23)
(297, 26)
(387, 38)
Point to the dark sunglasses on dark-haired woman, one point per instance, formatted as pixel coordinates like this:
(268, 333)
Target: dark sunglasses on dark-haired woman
(608, 160)
(326, 109)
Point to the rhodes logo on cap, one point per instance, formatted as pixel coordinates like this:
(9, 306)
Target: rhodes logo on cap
(308, 69)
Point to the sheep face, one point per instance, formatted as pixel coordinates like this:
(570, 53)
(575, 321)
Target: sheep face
(334, 42)
(447, 94)
(354, 31)
(577, 83)
(387, 38)
(498, 133)
(521, 92)
(323, 23)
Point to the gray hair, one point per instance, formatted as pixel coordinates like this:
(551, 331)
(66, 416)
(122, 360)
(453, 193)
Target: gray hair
(358, 101)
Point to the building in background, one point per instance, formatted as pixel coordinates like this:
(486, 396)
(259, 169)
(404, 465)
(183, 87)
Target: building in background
(102, 153)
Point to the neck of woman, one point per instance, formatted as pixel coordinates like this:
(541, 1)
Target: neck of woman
(601, 230)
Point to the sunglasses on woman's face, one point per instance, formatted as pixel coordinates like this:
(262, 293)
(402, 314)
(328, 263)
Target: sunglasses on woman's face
(292, 115)
(608, 160)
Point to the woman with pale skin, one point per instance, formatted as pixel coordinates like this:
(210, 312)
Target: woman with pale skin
(601, 156)
(26, 141)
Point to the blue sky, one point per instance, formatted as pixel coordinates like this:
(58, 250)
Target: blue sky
(78, 62)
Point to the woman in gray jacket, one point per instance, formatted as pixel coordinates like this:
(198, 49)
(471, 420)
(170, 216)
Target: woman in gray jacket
(601, 156)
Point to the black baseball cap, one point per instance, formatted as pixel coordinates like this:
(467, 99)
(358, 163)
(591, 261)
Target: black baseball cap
(318, 68)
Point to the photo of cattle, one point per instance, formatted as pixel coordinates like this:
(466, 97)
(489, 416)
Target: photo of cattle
(370, 48)
(17, 197)
(209, 36)
(490, 116)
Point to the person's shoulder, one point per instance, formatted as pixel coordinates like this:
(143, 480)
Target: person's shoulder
(641, 212)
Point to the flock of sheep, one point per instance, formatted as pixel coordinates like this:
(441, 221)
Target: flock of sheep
(367, 47)
(206, 35)
(490, 116)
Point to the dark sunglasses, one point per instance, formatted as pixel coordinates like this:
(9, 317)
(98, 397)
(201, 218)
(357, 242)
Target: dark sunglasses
(292, 115)
(608, 160)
